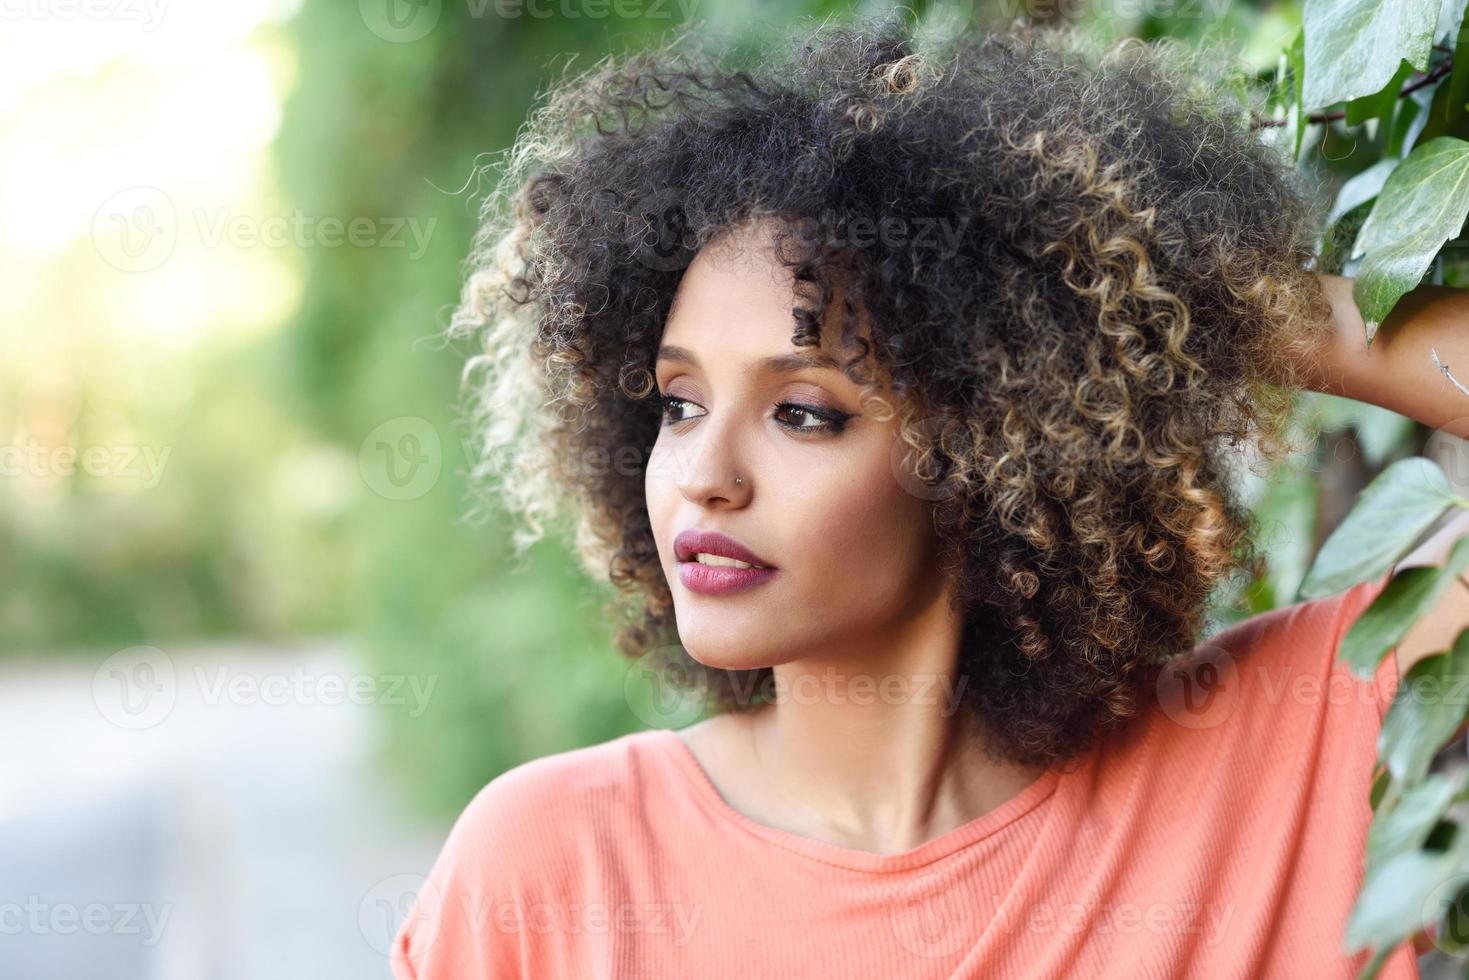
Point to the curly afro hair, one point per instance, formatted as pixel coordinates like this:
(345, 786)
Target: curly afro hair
(1077, 369)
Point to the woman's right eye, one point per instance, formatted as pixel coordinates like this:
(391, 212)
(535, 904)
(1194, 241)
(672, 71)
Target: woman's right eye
(671, 406)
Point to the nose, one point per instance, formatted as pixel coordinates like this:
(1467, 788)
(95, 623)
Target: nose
(706, 466)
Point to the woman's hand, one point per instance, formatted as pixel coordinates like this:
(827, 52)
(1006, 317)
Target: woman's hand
(1418, 364)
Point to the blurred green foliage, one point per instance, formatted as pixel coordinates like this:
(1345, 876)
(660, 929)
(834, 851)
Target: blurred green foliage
(270, 524)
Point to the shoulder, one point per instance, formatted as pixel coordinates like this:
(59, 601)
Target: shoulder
(1305, 635)
(1279, 669)
(525, 839)
(576, 784)
(536, 815)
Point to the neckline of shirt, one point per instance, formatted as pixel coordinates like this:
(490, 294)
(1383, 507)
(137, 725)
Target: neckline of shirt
(983, 826)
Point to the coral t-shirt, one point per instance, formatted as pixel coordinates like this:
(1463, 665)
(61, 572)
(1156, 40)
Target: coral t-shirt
(1219, 836)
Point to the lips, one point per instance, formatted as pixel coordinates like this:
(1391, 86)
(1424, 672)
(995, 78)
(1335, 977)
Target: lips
(693, 542)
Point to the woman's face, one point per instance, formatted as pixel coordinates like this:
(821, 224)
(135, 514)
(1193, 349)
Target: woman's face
(853, 552)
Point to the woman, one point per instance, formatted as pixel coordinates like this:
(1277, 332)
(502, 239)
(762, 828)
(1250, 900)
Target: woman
(898, 393)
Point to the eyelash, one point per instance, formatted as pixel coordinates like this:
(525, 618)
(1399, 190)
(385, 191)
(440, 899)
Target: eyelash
(832, 423)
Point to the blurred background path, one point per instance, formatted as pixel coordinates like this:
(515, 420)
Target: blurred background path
(254, 843)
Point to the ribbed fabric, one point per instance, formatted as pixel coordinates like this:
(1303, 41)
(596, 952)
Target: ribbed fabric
(1219, 836)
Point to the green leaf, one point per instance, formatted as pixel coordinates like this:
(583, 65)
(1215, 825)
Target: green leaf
(1362, 187)
(1405, 826)
(1422, 205)
(1381, 527)
(1430, 704)
(1446, 114)
(1379, 788)
(1381, 432)
(1450, 19)
(1380, 104)
(1404, 125)
(1295, 115)
(1383, 624)
(1398, 897)
(1353, 47)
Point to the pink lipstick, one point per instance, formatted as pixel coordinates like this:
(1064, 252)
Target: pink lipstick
(717, 579)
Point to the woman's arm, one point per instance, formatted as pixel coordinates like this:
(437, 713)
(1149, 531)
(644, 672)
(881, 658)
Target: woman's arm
(1418, 366)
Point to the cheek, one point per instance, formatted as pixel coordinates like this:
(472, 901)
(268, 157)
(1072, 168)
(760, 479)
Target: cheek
(862, 524)
(658, 490)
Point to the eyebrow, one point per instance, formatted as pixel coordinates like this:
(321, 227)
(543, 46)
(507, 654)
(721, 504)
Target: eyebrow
(778, 364)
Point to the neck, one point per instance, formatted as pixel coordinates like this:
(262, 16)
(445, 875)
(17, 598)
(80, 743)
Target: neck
(875, 750)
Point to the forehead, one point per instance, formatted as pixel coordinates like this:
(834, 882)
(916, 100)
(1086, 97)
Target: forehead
(735, 301)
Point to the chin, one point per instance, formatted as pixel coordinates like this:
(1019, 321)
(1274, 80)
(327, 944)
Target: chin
(725, 652)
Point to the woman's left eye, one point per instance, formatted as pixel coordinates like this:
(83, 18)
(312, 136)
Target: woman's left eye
(825, 421)
(812, 420)
(671, 406)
